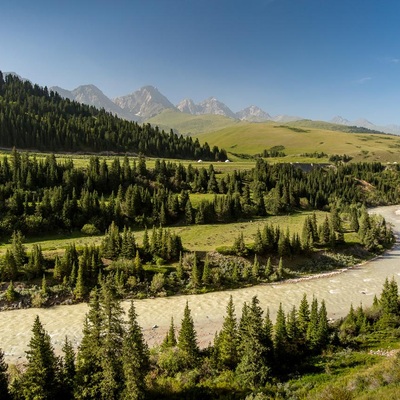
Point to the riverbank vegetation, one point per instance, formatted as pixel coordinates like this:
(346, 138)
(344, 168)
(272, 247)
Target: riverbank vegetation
(122, 201)
(301, 355)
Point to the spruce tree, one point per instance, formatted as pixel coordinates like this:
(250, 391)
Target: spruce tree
(348, 328)
(194, 274)
(389, 303)
(280, 338)
(323, 327)
(41, 379)
(111, 343)
(312, 330)
(293, 333)
(303, 319)
(335, 220)
(138, 267)
(80, 287)
(258, 243)
(4, 390)
(68, 370)
(268, 268)
(280, 271)
(354, 219)
(255, 270)
(88, 361)
(9, 270)
(44, 290)
(18, 249)
(135, 359)
(325, 232)
(228, 339)
(187, 338)
(253, 368)
(179, 268)
(170, 338)
(205, 278)
(57, 271)
(146, 243)
(269, 334)
(389, 299)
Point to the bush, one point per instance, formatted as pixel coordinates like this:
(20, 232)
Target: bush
(90, 230)
(157, 283)
(171, 361)
(11, 294)
(225, 250)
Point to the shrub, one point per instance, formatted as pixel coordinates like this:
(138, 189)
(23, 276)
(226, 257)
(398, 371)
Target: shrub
(90, 230)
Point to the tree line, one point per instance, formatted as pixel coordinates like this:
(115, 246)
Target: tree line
(248, 355)
(32, 117)
(121, 257)
(47, 195)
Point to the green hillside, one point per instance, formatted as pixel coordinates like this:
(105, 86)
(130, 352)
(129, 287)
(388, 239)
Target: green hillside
(308, 123)
(191, 124)
(296, 139)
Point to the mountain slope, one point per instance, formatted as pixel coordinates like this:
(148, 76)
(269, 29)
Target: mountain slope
(297, 140)
(144, 103)
(253, 114)
(364, 123)
(51, 123)
(93, 96)
(184, 123)
(188, 106)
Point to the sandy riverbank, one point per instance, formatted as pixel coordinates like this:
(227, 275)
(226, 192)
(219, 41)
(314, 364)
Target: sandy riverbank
(338, 288)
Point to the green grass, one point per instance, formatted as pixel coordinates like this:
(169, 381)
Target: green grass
(254, 138)
(82, 160)
(194, 237)
(355, 373)
(55, 244)
(183, 123)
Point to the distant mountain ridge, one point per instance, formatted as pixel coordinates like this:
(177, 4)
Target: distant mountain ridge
(147, 102)
(364, 123)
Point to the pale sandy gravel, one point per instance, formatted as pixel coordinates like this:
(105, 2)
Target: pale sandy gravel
(339, 290)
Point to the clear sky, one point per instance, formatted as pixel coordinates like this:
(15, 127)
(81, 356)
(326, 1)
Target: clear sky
(311, 58)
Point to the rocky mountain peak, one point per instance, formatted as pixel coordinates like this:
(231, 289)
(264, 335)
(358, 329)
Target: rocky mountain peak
(93, 96)
(188, 106)
(214, 106)
(253, 114)
(340, 120)
(145, 102)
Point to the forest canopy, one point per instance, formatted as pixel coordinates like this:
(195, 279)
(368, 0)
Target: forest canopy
(32, 117)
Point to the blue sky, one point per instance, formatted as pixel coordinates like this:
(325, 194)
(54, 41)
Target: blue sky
(312, 58)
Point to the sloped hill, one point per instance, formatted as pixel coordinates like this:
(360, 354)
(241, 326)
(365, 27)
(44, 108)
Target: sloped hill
(248, 138)
(191, 124)
(307, 123)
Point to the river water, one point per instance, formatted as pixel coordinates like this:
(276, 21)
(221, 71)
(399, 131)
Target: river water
(355, 286)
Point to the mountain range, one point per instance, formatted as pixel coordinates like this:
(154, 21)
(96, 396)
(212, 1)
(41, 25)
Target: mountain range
(364, 123)
(148, 102)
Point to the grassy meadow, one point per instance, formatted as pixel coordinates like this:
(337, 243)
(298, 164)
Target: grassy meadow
(253, 138)
(194, 237)
(191, 124)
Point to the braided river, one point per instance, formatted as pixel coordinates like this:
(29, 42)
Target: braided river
(339, 289)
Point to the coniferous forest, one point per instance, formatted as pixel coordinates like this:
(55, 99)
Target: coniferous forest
(33, 118)
(249, 358)
(252, 356)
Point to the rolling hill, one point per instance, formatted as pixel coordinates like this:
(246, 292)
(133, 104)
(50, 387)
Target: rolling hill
(297, 139)
(183, 123)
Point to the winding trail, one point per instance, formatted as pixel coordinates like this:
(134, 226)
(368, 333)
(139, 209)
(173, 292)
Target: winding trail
(339, 289)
